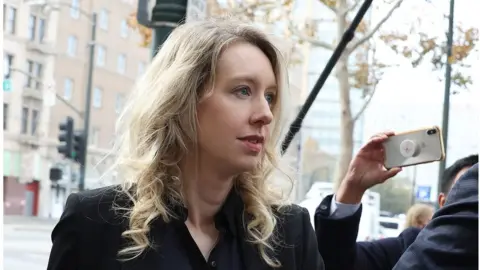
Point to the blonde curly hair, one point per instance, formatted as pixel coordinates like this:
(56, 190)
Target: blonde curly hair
(160, 120)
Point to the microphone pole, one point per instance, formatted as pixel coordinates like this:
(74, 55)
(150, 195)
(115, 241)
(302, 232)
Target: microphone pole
(346, 38)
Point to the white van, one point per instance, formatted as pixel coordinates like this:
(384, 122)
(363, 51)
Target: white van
(369, 224)
(390, 227)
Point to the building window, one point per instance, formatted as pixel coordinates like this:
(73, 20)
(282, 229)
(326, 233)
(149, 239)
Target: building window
(68, 89)
(72, 46)
(104, 19)
(41, 29)
(119, 100)
(24, 126)
(101, 55)
(121, 63)
(75, 9)
(5, 116)
(97, 97)
(9, 19)
(35, 118)
(124, 29)
(32, 26)
(7, 66)
(141, 68)
(34, 78)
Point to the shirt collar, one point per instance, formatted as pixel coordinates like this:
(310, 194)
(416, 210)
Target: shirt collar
(225, 219)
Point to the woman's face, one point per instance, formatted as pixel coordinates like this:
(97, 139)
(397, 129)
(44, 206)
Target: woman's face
(234, 119)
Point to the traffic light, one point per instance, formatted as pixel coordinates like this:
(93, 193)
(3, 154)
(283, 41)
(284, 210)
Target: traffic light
(79, 146)
(65, 136)
(56, 174)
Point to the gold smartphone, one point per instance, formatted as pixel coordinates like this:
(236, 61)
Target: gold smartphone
(414, 147)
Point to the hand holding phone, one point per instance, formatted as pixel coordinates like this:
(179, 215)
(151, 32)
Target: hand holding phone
(414, 147)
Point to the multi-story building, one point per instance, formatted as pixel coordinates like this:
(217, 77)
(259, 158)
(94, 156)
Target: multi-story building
(28, 58)
(50, 41)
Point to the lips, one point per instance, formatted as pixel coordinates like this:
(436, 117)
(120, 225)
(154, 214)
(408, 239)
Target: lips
(253, 143)
(253, 139)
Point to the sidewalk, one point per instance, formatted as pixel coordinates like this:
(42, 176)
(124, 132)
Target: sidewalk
(28, 220)
(23, 223)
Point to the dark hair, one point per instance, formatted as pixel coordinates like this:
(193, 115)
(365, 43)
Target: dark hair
(454, 169)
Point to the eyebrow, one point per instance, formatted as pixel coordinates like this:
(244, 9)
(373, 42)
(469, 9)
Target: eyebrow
(252, 80)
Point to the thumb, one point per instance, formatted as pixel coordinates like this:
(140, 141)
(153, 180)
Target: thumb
(391, 173)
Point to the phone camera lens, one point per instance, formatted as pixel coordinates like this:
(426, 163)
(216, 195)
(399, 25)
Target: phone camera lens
(431, 131)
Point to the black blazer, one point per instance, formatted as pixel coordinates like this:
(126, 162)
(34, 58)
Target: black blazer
(347, 253)
(88, 237)
(450, 240)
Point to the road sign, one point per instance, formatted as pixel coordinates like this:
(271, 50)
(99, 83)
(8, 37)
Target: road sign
(7, 85)
(423, 193)
(196, 10)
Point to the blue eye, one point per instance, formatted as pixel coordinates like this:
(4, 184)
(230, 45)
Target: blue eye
(270, 97)
(244, 91)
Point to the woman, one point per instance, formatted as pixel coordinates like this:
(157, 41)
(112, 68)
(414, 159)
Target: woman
(198, 144)
(419, 215)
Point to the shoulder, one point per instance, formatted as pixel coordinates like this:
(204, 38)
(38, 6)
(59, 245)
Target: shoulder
(292, 220)
(408, 236)
(291, 214)
(96, 206)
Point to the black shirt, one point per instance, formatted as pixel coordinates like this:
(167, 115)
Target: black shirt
(180, 252)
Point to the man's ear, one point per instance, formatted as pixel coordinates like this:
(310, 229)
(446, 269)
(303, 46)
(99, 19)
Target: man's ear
(441, 199)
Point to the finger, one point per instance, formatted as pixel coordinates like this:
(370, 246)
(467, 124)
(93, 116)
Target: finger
(378, 139)
(391, 173)
(387, 133)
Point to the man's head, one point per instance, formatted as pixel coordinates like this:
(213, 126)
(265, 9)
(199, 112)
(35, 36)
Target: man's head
(453, 173)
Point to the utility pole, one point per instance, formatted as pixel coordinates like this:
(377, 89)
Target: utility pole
(88, 101)
(446, 95)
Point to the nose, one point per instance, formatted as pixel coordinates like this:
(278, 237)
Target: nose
(262, 114)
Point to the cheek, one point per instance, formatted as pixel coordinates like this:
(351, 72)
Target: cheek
(217, 119)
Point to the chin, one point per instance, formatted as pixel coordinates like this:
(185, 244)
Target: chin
(247, 164)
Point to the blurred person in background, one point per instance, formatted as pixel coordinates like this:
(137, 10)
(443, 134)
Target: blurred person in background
(338, 217)
(418, 215)
(198, 143)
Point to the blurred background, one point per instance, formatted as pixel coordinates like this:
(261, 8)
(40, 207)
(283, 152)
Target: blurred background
(72, 63)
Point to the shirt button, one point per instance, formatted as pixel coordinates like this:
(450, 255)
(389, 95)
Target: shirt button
(213, 263)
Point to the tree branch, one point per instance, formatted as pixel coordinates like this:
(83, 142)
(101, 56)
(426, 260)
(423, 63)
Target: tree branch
(370, 34)
(365, 105)
(372, 92)
(350, 9)
(314, 42)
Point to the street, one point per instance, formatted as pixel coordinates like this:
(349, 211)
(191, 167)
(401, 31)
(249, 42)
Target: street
(26, 243)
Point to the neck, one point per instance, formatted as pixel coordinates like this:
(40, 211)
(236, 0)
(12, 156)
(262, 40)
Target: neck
(205, 191)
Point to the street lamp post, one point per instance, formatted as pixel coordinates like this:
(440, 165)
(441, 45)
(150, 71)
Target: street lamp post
(88, 100)
(88, 91)
(446, 95)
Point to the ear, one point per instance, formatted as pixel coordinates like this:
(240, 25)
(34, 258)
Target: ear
(441, 199)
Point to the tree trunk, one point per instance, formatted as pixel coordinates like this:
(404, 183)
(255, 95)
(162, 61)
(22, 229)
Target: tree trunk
(346, 120)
